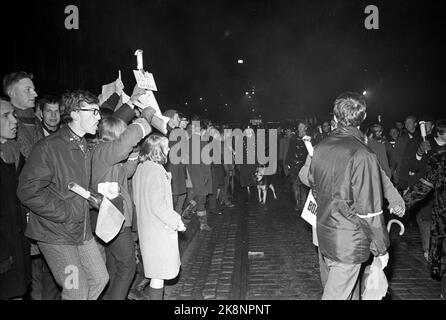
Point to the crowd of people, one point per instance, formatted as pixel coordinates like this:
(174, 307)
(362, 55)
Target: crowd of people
(48, 241)
(48, 232)
(353, 171)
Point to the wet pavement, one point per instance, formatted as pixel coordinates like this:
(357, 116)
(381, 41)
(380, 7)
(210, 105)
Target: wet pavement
(263, 252)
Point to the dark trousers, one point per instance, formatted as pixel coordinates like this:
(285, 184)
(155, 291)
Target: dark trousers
(121, 265)
(199, 199)
(43, 286)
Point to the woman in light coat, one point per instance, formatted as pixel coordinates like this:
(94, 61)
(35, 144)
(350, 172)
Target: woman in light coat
(158, 222)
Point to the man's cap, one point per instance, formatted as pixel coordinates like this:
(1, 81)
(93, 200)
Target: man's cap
(170, 113)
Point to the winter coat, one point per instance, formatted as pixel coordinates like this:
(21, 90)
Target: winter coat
(178, 172)
(109, 162)
(13, 283)
(59, 216)
(346, 180)
(157, 221)
(380, 150)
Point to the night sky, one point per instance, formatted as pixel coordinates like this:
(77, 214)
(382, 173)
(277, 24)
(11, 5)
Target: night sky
(299, 55)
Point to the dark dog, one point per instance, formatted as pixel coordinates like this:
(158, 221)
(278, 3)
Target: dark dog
(263, 184)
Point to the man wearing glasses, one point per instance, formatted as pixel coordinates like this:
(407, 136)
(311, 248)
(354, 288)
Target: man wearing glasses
(60, 221)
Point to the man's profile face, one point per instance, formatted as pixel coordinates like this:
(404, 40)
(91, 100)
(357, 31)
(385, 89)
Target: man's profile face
(23, 93)
(88, 121)
(51, 115)
(399, 125)
(8, 122)
(410, 124)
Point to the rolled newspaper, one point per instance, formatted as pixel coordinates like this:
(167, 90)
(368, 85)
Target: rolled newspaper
(72, 186)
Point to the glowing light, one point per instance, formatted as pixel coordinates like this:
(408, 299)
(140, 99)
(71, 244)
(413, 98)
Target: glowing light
(240, 61)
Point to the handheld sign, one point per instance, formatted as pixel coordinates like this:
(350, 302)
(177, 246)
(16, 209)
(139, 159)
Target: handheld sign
(145, 80)
(309, 211)
(109, 222)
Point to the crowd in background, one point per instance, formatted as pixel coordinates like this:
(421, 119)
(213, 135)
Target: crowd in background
(48, 232)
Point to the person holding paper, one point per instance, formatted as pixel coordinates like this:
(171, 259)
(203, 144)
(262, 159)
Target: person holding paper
(15, 258)
(158, 222)
(296, 155)
(112, 162)
(60, 219)
(346, 181)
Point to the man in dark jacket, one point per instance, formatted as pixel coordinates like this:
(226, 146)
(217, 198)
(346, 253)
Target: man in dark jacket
(178, 170)
(15, 262)
(60, 219)
(20, 89)
(294, 161)
(198, 174)
(346, 180)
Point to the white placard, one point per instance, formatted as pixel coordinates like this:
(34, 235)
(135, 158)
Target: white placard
(148, 100)
(107, 90)
(145, 80)
(309, 211)
(109, 222)
(109, 189)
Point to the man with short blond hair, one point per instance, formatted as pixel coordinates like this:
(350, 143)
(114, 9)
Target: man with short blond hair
(19, 87)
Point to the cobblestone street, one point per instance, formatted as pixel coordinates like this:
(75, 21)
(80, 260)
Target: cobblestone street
(265, 252)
